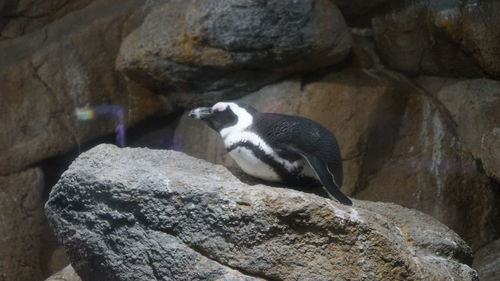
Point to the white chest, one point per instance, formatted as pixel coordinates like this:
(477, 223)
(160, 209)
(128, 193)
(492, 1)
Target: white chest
(252, 165)
(248, 161)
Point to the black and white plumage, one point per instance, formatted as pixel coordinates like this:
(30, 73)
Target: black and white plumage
(277, 147)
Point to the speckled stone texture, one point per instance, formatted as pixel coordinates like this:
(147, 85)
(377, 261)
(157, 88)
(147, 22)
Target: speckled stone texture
(140, 214)
(226, 48)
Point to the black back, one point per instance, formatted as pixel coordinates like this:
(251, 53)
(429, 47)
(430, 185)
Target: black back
(281, 131)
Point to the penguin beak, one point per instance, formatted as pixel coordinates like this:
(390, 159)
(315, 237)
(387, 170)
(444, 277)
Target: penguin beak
(200, 113)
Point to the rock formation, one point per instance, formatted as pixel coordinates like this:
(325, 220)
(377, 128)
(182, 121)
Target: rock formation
(486, 261)
(410, 88)
(135, 214)
(446, 38)
(55, 57)
(21, 225)
(224, 48)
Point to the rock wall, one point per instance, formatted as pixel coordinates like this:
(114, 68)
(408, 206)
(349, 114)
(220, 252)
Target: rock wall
(410, 88)
(55, 57)
(21, 225)
(486, 261)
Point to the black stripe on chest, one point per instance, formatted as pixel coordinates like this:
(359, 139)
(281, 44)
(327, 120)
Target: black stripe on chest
(292, 177)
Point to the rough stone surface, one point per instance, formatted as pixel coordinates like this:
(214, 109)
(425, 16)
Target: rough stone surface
(135, 214)
(45, 75)
(473, 105)
(222, 48)
(398, 145)
(24, 16)
(65, 274)
(21, 221)
(446, 38)
(428, 168)
(487, 261)
(363, 52)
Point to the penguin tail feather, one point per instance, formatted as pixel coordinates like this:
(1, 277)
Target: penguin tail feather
(335, 194)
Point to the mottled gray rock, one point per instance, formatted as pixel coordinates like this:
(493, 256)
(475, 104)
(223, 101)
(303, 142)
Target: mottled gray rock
(221, 48)
(65, 274)
(442, 37)
(21, 221)
(140, 214)
(487, 261)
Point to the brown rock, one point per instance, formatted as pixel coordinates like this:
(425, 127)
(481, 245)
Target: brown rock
(46, 75)
(429, 169)
(441, 38)
(24, 16)
(473, 106)
(197, 139)
(487, 261)
(363, 52)
(226, 47)
(52, 255)
(21, 221)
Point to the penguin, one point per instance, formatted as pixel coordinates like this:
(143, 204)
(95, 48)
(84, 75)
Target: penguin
(276, 147)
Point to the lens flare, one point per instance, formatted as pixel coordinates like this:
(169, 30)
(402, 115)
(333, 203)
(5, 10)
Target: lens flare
(106, 110)
(84, 114)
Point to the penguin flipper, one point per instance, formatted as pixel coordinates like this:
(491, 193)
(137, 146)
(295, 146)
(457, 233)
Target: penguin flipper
(324, 175)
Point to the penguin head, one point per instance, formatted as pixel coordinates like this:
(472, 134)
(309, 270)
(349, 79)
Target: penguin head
(225, 115)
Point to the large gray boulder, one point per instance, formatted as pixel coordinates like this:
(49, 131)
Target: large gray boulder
(140, 214)
(221, 48)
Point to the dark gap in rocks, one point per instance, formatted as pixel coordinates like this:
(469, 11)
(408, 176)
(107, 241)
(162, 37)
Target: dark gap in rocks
(382, 137)
(364, 18)
(495, 186)
(318, 74)
(155, 133)
(479, 166)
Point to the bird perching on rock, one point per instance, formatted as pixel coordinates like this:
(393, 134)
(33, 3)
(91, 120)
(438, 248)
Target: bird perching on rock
(277, 147)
